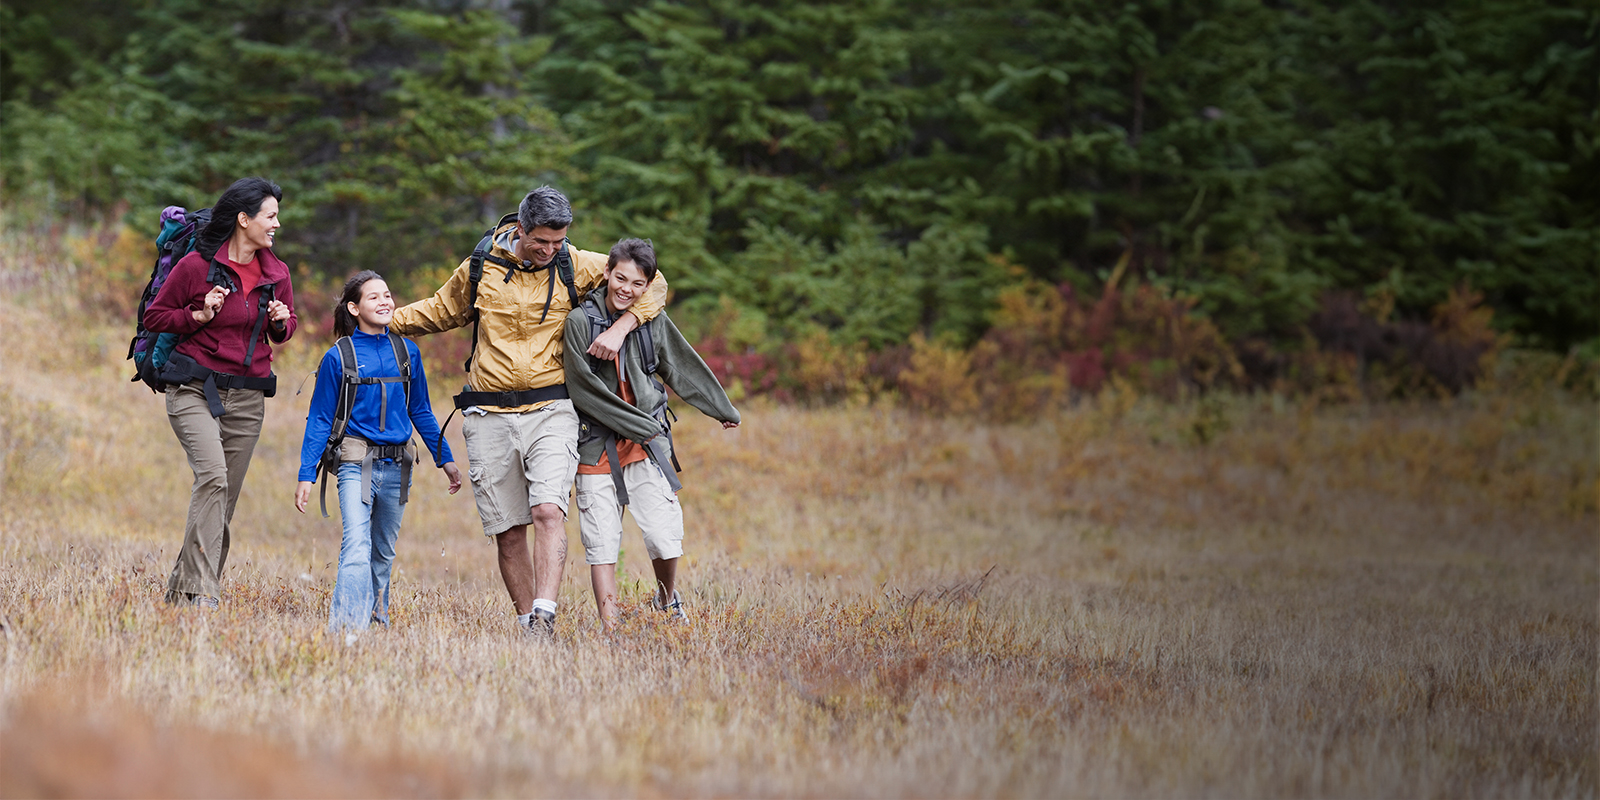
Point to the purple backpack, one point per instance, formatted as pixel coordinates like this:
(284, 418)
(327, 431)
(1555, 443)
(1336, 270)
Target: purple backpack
(180, 231)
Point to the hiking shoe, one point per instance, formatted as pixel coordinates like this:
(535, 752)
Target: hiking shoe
(205, 601)
(542, 625)
(673, 609)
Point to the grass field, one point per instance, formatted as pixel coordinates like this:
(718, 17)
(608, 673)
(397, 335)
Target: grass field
(1245, 597)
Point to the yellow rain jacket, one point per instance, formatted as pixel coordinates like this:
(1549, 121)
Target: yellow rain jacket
(515, 350)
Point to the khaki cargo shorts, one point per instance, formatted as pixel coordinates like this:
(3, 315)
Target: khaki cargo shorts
(651, 501)
(520, 460)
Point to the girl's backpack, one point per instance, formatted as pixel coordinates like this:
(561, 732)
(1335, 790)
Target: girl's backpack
(179, 234)
(345, 404)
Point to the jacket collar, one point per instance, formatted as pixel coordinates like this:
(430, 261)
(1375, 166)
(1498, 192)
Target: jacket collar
(273, 270)
(598, 297)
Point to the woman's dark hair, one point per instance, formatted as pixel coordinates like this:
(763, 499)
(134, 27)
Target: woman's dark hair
(639, 251)
(344, 323)
(247, 195)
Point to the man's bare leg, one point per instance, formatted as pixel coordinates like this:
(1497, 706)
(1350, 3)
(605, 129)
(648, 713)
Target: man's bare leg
(666, 576)
(516, 568)
(549, 551)
(604, 578)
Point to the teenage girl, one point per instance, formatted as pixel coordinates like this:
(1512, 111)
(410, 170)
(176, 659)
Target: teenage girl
(375, 454)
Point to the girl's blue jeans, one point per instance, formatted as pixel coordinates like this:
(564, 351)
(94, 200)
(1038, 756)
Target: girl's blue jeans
(366, 554)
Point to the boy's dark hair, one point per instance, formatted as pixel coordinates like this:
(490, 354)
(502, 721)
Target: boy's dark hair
(544, 207)
(344, 323)
(247, 195)
(639, 251)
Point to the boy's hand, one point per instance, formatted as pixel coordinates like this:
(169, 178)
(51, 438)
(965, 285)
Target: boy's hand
(454, 474)
(302, 493)
(729, 425)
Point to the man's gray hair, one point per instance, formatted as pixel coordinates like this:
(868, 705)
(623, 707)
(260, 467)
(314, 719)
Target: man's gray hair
(544, 207)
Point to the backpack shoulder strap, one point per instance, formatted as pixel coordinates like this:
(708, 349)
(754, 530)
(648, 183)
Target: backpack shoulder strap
(261, 321)
(402, 357)
(598, 324)
(475, 276)
(349, 372)
(647, 348)
(564, 271)
(343, 406)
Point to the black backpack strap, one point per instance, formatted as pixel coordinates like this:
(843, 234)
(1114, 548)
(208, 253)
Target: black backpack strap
(616, 468)
(599, 322)
(647, 350)
(261, 321)
(402, 357)
(564, 272)
(481, 254)
(655, 448)
(343, 406)
(474, 277)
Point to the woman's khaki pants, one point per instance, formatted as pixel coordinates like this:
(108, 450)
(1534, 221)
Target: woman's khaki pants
(219, 450)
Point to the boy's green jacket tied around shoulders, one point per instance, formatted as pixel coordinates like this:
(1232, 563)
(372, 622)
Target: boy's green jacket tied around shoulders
(592, 383)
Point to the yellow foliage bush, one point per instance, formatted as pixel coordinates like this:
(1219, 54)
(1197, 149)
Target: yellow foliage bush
(940, 378)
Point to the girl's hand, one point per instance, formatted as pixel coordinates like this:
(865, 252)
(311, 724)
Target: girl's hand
(454, 475)
(213, 302)
(302, 493)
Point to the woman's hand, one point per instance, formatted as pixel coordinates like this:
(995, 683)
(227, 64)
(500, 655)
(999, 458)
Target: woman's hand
(213, 302)
(302, 493)
(454, 475)
(278, 312)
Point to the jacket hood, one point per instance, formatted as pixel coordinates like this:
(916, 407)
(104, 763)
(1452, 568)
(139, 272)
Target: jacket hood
(500, 243)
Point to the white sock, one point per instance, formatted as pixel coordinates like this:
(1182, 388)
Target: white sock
(524, 619)
(542, 604)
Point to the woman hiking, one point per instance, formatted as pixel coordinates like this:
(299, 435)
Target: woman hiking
(365, 427)
(624, 451)
(231, 301)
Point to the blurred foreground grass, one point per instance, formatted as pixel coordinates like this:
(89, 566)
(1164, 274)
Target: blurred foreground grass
(1230, 597)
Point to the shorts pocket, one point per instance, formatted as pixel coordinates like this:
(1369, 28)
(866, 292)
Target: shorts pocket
(483, 494)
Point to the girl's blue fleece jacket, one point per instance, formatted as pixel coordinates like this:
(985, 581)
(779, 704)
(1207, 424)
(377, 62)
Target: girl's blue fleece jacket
(374, 359)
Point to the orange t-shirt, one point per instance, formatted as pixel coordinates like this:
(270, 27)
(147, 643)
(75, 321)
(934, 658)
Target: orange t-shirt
(628, 451)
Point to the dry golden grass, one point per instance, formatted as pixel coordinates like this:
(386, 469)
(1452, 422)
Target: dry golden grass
(1239, 597)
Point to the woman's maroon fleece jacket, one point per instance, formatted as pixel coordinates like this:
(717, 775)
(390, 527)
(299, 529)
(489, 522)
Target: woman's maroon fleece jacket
(220, 345)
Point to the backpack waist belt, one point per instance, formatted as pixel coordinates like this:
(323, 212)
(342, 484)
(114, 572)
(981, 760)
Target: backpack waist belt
(369, 453)
(467, 399)
(386, 452)
(182, 369)
(656, 448)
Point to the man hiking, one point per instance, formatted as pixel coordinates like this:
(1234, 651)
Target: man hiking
(520, 427)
